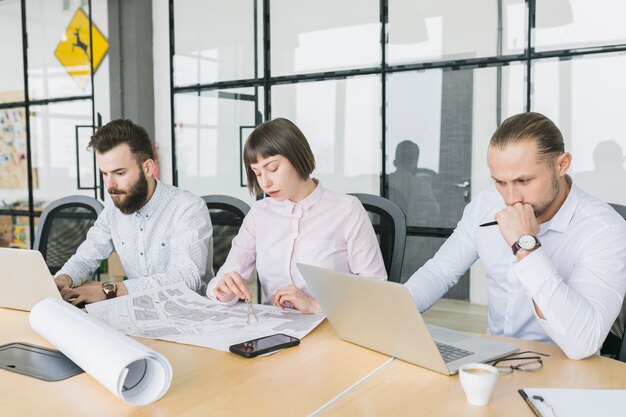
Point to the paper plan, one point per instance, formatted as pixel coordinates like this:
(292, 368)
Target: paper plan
(178, 314)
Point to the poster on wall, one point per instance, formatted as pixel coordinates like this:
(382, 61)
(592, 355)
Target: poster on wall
(13, 165)
(13, 170)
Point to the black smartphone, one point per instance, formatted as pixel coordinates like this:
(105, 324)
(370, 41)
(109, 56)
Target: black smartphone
(263, 345)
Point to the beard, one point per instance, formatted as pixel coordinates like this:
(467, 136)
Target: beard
(135, 196)
(553, 193)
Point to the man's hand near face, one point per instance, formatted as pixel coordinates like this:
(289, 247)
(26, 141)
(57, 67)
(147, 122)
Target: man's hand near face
(515, 221)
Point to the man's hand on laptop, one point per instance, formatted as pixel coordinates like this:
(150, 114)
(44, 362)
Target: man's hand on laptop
(91, 292)
(63, 281)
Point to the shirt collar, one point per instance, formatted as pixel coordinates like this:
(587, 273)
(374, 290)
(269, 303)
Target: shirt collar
(150, 207)
(305, 203)
(563, 217)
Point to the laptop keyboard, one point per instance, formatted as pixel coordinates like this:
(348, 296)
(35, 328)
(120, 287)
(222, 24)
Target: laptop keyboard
(451, 353)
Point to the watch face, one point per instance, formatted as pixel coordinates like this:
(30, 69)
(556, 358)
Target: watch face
(108, 287)
(527, 242)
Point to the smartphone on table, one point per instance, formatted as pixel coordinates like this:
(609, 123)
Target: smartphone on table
(264, 345)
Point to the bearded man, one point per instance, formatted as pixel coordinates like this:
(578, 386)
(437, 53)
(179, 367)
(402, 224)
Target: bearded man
(555, 256)
(162, 234)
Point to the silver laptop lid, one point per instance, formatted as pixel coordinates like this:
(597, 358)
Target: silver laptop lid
(25, 279)
(382, 316)
(378, 315)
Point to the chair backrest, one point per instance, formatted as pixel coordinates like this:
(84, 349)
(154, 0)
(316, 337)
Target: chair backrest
(615, 343)
(227, 215)
(389, 223)
(63, 226)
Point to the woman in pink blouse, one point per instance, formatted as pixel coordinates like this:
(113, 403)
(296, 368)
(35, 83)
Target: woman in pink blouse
(298, 221)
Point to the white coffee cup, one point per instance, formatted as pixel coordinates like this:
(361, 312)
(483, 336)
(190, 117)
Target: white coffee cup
(478, 381)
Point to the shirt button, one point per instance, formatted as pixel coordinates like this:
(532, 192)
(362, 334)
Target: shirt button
(141, 254)
(141, 230)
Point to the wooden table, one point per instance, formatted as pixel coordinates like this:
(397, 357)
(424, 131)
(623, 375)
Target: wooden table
(295, 382)
(206, 382)
(403, 389)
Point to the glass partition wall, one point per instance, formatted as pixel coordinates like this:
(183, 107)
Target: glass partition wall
(46, 108)
(397, 98)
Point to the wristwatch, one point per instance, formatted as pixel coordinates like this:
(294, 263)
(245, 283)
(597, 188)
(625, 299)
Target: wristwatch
(525, 242)
(110, 289)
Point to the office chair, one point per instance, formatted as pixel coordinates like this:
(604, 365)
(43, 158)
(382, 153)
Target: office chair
(227, 215)
(389, 223)
(614, 345)
(63, 226)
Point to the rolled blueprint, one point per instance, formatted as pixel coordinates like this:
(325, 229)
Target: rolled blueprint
(128, 369)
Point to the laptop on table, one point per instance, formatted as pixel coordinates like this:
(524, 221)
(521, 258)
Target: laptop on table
(25, 279)
(381, 316)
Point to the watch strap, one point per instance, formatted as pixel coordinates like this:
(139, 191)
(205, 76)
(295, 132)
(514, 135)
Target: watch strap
(516, 246)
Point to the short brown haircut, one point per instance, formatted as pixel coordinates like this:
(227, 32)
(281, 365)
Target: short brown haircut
(277, 137)
(530, 126)
(120, 131)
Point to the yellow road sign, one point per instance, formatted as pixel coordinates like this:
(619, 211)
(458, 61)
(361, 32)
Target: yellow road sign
(74, 49)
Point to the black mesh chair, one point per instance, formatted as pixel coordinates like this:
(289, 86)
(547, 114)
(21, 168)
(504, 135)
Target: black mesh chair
(389, 223)
(614, 345)
(227, 215)
(63, 226)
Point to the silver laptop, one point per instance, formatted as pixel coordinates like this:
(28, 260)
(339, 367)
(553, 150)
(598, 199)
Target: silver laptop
(381, 316)
(25, 279)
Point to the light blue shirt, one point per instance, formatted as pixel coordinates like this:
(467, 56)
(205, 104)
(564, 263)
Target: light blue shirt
(168, 240)
(577, 277)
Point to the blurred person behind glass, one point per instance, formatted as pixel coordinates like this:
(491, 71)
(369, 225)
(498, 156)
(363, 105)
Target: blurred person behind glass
(411, 189)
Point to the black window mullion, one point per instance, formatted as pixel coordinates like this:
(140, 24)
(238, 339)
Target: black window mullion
(384, 19)
(29, 159)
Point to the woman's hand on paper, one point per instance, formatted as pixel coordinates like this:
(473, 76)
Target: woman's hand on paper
(291, 296)
(231, 285)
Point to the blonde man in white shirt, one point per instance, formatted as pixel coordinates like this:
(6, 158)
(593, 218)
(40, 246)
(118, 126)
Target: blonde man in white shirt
(555, 260)
(162, 234)
(298, 221)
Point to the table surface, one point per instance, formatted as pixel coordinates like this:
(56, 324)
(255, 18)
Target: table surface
(297, 381)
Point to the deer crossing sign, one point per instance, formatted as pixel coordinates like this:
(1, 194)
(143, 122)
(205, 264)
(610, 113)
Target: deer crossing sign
(75, 48)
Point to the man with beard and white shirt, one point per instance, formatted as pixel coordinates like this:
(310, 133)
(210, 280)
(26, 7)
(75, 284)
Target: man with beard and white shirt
(162, 234)
(555, 260)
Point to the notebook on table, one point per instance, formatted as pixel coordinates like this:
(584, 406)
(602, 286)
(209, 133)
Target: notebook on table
(381, 316)
(25, 279)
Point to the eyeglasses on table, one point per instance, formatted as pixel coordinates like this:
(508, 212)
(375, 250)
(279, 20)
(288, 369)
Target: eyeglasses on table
(530, 361)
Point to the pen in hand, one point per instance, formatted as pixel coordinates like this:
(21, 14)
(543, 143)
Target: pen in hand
(493, 223)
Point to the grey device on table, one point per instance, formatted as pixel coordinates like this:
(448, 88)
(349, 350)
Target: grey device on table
(25, 279)
(381, 316)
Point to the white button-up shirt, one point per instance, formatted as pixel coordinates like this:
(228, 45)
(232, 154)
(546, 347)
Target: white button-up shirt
(577, 277)
(169, 240)
(326, 229)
